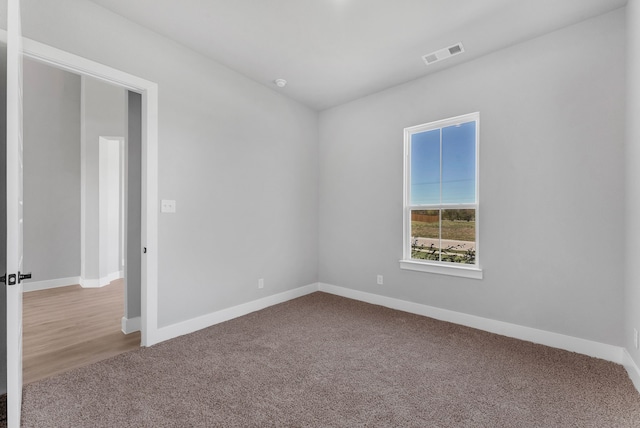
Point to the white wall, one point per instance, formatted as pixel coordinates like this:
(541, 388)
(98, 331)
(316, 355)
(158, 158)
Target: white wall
(551, 180)
(51, 172)
(239, 158)
(632, 297)
(109, 211)
(104, 116)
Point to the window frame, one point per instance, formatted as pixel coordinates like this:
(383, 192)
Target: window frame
(434, 266)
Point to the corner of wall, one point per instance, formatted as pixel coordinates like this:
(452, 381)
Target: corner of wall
(632, 191)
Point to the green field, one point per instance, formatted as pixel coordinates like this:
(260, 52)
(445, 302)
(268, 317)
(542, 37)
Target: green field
(451, 229)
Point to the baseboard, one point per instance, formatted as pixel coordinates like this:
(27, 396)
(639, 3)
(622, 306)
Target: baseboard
(101, 282)
(129, 325)
(50, 283)
(594, 349)
(91, 283)
(204, 321)
(555, 340)
(632, 369)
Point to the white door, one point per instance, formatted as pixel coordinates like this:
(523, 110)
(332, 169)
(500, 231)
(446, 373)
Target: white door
(14, 214)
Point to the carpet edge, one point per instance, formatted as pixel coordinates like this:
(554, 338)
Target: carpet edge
(213, 318)
(590, 348)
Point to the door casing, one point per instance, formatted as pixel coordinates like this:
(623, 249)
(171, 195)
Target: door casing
(149, 90)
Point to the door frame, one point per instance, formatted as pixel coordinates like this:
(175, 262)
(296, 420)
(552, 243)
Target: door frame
(14, 219)
(149, 90)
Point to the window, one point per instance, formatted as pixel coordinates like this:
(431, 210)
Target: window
(441, 197)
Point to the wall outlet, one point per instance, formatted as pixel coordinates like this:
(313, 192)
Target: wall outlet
(167, 206)
(261, 283)
(380, 280)
(635, 338)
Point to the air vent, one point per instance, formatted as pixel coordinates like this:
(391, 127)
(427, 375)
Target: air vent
(443, 54)
(455, 49)
(431, 58)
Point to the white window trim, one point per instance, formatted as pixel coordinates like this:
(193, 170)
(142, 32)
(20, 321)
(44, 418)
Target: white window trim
(444, 268)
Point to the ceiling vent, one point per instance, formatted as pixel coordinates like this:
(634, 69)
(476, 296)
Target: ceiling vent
(443, 53)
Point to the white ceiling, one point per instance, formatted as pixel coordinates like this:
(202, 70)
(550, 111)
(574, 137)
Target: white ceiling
(333, 51)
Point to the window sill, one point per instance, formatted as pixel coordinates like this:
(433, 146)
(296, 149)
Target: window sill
(461, 271)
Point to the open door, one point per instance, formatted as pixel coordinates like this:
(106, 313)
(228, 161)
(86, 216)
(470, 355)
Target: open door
(14, 275)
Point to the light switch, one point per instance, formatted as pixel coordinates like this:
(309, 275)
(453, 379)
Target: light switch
(167, 206)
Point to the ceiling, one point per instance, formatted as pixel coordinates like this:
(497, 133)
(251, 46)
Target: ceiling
(334, 51)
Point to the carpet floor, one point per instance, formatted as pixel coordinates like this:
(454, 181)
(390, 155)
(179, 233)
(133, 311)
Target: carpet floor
(327, 361)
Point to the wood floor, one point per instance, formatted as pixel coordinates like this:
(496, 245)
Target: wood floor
(70, 327)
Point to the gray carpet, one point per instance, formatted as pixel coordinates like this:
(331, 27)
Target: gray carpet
(323, 360)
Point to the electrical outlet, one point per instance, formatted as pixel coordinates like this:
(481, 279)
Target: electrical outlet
(635, 338)
(167, 206)
(261, 283)
(380, 280)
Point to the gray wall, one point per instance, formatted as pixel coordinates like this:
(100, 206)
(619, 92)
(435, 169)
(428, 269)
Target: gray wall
(632, 297)
(133, 209)
(51, 172)
(104, 116)
(551, 180)
(239, 158)
(52, 179)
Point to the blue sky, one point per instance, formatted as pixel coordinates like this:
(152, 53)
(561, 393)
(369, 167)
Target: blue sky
(458, 165)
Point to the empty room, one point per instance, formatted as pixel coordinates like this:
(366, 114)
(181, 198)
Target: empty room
(352, 212)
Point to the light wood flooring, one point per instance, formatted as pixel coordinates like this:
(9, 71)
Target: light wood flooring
(69, 327)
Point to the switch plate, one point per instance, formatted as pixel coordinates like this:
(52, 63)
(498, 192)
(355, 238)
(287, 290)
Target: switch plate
(168, 206)
(261, 283)
(635, 338)
(380, 280)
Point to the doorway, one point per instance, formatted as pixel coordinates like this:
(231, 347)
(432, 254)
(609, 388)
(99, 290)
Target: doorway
(145, 94)
(148, 94)
(75, 193)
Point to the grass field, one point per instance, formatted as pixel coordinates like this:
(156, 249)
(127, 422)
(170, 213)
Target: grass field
(451, 229)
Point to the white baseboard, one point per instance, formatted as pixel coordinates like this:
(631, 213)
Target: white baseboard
(615, 354)
(50, 283)
(129, 325)
(632, 369)
(101, 282)
(91, 283)
(555, 340)
(204, 321)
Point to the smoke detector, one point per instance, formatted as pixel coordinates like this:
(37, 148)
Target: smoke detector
(445, 53)
(280, 83)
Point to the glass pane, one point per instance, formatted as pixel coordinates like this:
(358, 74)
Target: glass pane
(425, 168)
(459, 163)
(459, 236)
(425, 234)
